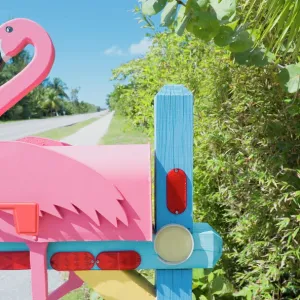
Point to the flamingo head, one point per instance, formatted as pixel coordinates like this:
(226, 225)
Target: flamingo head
(13, 38)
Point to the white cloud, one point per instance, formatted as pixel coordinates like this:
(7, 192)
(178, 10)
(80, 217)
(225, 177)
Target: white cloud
(141, 48)
(114, 50)
(135, 49)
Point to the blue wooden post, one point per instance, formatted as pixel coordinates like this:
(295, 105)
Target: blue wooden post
(173, 149)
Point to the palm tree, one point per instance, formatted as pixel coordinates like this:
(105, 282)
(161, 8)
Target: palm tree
(37, 97)
(59, 86)
(51, 101)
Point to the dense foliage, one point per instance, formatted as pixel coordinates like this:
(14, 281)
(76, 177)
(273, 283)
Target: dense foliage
(48, 99)
(246, 160)
(256, 32)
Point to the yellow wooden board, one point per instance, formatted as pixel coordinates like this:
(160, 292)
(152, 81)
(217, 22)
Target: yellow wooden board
(119, 285)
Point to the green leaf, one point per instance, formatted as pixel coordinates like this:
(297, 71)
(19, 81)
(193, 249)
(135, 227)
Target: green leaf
(217, 285)
(253, 57)
(224, 9)
(233, 24)
(198, 273)
(211, 277)
(182, 20)
(295, 233)
(242, 58)
(221, 286)
(196, 4)
(202, 34)
(258, 58)
(243, 293)
(249, 295)
(195, 284)
(224, 37)
(206, 19)
(169, 13)
(193, 297)
(289, 78)
(153, 7)
(241, 42)
(202, 297)
(204, 25)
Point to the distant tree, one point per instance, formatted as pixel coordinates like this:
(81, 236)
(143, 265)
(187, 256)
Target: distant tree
(52, 103)
(48, 98)
(60, 87)
(74, 95)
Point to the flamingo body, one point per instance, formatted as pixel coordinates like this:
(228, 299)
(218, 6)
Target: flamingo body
(84, 193)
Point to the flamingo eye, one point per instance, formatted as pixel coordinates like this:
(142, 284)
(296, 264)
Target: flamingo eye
(9, 29)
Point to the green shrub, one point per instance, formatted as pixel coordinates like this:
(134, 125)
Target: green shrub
(246, 178)
(246, 157)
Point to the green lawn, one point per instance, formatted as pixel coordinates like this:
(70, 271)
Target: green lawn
(62, 132)
(121, 132)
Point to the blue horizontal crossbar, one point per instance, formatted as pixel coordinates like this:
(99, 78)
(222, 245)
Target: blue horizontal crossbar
(207, 249)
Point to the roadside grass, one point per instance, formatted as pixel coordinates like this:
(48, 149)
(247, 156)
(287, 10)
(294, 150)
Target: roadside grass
(62, 132)
(120, 132)
(80, 294)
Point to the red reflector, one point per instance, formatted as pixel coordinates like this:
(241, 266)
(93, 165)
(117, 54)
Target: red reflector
(14, 260)
(72, 261)
(176, 191)
(121, 260)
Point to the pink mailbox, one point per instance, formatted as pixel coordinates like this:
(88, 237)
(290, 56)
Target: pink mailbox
(82, 193)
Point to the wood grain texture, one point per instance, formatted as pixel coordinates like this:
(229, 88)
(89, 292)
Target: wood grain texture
(173, 149)
(174, 284)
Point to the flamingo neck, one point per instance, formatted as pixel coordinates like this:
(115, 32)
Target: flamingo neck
(31, 76)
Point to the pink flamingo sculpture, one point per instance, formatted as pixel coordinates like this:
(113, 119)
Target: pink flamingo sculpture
(52, 192)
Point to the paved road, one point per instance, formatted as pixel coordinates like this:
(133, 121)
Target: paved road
(16, 285)
(14, 130)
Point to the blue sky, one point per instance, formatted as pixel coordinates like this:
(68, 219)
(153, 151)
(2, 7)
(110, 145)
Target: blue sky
(91, 38)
